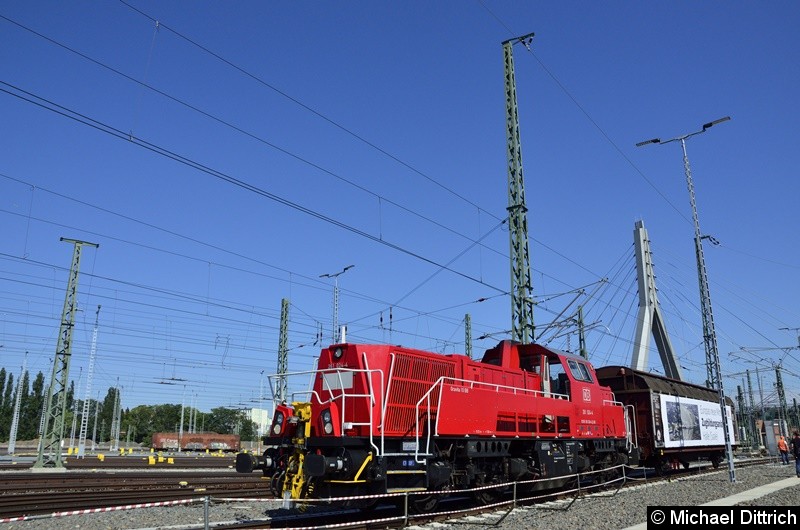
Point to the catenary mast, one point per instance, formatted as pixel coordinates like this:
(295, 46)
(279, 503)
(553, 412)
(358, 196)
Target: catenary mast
(56, 401)
(522, 327)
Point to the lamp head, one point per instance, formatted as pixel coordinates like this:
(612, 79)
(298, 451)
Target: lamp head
(712, 123)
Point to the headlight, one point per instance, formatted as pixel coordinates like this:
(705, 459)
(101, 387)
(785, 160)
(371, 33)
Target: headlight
(327, 426)
(337, 353)
(277, 423)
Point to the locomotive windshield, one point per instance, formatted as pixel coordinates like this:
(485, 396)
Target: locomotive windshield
(579, 371)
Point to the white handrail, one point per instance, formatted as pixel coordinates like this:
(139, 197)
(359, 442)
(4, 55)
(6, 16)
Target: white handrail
(469, 384)
(388, 387)
(630, 418)
(341, 394)
(473, 384)
(378, 450)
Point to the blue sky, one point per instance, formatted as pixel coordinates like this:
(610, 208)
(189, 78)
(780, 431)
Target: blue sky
(228, 155)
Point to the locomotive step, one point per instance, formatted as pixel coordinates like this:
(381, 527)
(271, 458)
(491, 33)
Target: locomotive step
(405, 471)
(404, 490)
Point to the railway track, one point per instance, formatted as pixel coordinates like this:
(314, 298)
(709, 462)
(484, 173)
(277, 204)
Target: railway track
(141, 460)
(390, 516)
(27, 494)
(31, 494)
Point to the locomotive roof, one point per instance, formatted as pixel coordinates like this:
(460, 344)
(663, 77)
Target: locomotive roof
(535, 345)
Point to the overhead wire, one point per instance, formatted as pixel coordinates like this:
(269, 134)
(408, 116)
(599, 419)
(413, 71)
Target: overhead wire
(250, 134)
(546, 70)
(309, 109)
(195, 108)
(117, 133)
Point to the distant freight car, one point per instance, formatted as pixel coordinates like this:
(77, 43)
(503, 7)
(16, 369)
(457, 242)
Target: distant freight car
(675, 422)
(169, 441)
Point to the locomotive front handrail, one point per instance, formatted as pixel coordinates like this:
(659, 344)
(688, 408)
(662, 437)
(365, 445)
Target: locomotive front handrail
(340, 394)
(378, 450)
(389, 380)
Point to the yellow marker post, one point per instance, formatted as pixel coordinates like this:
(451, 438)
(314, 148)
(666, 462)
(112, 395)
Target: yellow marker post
(151, 460)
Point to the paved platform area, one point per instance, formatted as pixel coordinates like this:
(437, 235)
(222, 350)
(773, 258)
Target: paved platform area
(749, 495)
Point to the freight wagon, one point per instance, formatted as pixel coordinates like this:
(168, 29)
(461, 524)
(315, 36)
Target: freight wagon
(170, 441)
(676, 422)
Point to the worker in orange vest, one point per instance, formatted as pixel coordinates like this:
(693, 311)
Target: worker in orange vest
(783, 447)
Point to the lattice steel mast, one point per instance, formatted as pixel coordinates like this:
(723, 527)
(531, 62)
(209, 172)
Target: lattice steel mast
(522, 326)
(468, 335)
(56, 403)
(283, 353)
(117, 417)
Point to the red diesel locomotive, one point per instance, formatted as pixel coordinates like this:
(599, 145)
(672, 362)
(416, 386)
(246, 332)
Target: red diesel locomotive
(382, 419)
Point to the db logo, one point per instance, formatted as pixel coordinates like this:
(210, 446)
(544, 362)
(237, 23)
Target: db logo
(587, 395)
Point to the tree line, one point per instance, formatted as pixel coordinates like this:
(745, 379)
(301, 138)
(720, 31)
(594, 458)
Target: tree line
(136, 425)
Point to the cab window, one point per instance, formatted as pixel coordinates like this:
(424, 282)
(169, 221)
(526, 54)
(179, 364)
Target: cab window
(579, 371)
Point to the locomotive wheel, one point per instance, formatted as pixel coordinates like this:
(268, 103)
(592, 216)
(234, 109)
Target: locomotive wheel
(361, 504)
(488, 495)
(276, 483)
(423, 503)
(608, 477)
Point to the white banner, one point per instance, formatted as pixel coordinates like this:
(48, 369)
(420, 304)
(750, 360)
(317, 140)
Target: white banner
(691, 422)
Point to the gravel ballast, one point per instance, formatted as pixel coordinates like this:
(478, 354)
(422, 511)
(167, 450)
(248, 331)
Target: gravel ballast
(602, 511)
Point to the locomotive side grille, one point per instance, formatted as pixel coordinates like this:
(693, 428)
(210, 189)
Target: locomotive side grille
(527, 423)
(412, 377)
(516, 423)
(506, 423)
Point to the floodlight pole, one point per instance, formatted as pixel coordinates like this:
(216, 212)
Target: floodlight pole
(335, 276)
(714, 376)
